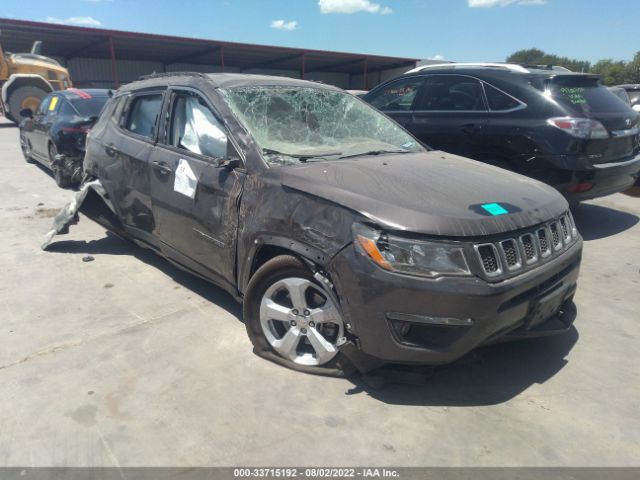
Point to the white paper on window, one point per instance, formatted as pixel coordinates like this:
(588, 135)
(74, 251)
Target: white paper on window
(185, 180)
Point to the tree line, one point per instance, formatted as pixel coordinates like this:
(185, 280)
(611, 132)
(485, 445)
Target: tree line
(614, 72)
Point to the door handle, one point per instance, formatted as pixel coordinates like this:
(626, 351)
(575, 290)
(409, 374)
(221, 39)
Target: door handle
(109, 150)
(162, 167)
(471, 128)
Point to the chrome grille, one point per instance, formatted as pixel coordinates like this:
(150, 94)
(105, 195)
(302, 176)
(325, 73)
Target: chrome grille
(530, 249)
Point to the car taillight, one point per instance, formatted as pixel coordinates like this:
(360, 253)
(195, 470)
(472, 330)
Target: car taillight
(579, 127)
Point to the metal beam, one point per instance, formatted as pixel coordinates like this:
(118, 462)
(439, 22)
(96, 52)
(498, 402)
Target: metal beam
(273, 61)
(189, 56)
(114, 67)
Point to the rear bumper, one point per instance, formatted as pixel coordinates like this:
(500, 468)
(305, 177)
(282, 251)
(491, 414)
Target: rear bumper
(535, 303)
(578, 181)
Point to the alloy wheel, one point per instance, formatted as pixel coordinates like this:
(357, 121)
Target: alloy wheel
(300, 322)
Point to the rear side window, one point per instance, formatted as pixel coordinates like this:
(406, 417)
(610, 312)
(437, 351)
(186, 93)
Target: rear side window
(44, 105)
(89, 107)
(195, 128)
(451, 93)
(498, 100)
(143, 114)
(397, 96)
(585, 96)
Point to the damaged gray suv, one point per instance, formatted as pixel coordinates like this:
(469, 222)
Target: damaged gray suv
(349, 243)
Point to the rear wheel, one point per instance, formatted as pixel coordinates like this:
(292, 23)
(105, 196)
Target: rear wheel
(291, 319)
(63, 179)
(25, 97)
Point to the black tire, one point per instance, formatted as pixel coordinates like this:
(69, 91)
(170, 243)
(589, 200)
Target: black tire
(26, 149)
(276, 269)
(19, 95)
(63, 180)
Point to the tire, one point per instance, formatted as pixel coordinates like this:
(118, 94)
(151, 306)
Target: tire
(26, 149)
(305, 335)
(24, 97)
(62, 179)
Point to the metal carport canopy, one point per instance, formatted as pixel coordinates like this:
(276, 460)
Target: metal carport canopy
(68, 42)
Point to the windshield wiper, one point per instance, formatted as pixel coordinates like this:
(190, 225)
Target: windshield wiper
(303, 157)
(375, 152)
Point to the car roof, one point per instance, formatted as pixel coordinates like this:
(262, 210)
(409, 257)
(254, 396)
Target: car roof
(496, 70)
(220, 80)
(630, 86)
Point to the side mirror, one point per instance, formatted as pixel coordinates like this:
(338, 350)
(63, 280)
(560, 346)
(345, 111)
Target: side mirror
(26, 113)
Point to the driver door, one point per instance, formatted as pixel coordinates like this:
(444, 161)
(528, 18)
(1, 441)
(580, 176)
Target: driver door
(194, 198)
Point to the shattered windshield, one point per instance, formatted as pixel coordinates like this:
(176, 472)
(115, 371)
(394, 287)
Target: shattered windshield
(300, 124)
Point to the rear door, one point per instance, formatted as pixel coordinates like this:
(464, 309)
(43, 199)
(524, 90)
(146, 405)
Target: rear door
(396, 98)
(195, 199)
(126, 151)
(582, 96)
(450, 114)
(42, 123)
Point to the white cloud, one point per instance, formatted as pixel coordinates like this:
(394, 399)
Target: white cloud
(86, 21)
(352, 6)
(503, 3)
(436, 57)
(282, 25)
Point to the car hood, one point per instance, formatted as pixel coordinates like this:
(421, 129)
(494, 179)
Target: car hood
(432, 193)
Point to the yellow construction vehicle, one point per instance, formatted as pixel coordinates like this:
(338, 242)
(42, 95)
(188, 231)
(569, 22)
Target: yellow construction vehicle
(26, 78)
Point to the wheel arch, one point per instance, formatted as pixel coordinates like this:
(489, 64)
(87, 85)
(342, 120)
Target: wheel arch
(267, 247)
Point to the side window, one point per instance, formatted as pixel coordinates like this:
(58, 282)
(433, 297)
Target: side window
(66, 110)
(195, 128)
(143, 114)
(498, 100)
(396, 96)
(451, 93)
(44, 105)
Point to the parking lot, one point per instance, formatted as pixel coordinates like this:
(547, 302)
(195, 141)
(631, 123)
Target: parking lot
(127, 361)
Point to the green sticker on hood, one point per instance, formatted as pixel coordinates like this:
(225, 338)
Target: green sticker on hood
(495, 209)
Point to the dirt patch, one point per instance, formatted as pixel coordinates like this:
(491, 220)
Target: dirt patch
(47, 212)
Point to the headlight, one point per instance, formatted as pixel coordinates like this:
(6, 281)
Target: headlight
(409, 256)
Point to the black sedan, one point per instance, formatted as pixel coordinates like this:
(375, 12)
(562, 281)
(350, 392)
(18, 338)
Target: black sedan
(55, 135)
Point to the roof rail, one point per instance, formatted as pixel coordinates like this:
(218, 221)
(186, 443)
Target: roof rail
(507, 66)
(172, 74)
(545, 67)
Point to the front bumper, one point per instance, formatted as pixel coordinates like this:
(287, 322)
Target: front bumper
(538, 302)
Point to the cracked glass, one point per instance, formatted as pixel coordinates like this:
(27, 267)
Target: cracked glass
(299, 124)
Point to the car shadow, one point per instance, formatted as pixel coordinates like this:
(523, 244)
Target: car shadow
(8, 125)
(111, 244)
(488, 376)
(595, 221)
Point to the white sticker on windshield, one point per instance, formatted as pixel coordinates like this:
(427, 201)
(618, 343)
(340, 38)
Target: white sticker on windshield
(185, 180)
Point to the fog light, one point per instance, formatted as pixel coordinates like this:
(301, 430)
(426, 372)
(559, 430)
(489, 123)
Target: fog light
(429, 320)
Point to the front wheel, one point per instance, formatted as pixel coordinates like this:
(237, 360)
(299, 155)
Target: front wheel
(291, 320)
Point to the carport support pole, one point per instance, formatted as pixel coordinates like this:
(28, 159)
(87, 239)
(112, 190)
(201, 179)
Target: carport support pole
(364, 76)
(222, 59)
(302, 66)
(114, 67)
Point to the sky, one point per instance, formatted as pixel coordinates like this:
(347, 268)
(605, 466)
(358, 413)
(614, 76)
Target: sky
(460, 30)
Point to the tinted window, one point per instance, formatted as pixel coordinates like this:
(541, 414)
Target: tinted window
(498, 100)
(585, 96)
(66, 110)
(451, 92)
(89, 107)
(116, 111)
(397, 95)
(195, 128)
(143, 114)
